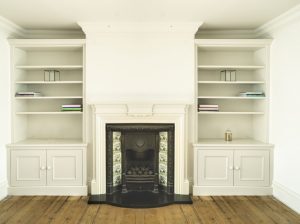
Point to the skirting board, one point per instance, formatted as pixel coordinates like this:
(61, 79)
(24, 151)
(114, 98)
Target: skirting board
(3, 189)
(228, 190)
(49, 190)
(286, 196)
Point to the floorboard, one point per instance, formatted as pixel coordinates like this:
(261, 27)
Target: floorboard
(216, 209)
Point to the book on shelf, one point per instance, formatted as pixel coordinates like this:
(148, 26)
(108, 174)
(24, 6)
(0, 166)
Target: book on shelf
(208, 105)
(71, 106)
(71, 109)
(252, 94)
(208, 109)
(24, 94)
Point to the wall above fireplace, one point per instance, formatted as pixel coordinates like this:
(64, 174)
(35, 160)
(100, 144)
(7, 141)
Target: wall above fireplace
(140, 62)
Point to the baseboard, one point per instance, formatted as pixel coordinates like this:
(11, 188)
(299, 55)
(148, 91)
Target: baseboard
(3, 189)
(287, 196)
(49, 190)
(230, 190)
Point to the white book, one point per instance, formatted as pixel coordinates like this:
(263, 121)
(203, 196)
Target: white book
(209, 105)
(71, 105)
(208, 109)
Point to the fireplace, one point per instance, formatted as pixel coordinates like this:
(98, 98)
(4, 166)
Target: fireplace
(140, 157)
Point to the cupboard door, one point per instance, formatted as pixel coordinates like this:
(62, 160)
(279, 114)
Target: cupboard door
(251, 168)
(28, 167)
(215, 167)
(64, 167)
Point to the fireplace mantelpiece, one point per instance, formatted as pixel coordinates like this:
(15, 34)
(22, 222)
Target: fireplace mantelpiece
(139, 113)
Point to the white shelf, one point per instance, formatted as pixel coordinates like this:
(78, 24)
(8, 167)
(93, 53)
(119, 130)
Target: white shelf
(231, 97)
(231, 113)
(48, 142)
(231, 82)
(214, 142)
(38, 67)
(237, 67)
(47, 97)
(50, 113)
(48, 82)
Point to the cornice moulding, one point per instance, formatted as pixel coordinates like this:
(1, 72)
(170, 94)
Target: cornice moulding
(94, 27)
(232, 34)
(29, 33)
(10, 29)
(233, 42)
(278, 22)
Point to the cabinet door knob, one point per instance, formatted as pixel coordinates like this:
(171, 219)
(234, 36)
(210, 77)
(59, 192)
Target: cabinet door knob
(49, 168)
(237, 168)
(43, 168)
(231, 167)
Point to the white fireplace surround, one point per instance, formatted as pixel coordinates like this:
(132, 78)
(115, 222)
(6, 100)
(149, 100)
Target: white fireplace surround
(139, 113)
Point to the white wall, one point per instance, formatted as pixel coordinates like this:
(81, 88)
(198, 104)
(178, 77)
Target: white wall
(5, 109)
(140, 67)
(284, 111)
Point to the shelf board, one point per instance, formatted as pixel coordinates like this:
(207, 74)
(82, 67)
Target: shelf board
(231, 97)
(231, 112)
(47, 97)
(38, 67)
(49, 142)
(48, 82)
(50, 113)
(214, 142)
(231, 82)
(237, 67)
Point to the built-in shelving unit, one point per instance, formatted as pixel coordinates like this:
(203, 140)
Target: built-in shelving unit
(40, 117)
(239, 104)
(47, 154)
(245, 116)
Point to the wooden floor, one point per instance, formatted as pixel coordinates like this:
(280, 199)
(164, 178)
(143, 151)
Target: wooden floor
(60, 210)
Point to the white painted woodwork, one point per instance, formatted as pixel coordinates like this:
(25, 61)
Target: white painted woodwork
(215, 167)
(64, 167)
(140, 113)
(47, 167)
(41, 117)
(246, 117)
(47, 154)
(244, 165)
(28, 168)
(240, 167)
(251, 168)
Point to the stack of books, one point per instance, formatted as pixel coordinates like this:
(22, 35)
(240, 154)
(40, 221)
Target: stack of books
(252, 94)
(27, 94)
(209, 107)
(71, 107)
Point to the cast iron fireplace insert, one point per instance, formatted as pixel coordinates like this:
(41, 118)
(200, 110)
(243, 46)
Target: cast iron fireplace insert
(140, 166)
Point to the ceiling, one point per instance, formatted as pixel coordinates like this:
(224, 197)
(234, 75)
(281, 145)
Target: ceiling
(216, 14)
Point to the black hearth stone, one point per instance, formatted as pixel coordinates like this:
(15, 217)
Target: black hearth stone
(138, 199)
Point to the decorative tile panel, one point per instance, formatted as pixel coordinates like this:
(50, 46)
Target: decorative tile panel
(117, 158)
(163, 158)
